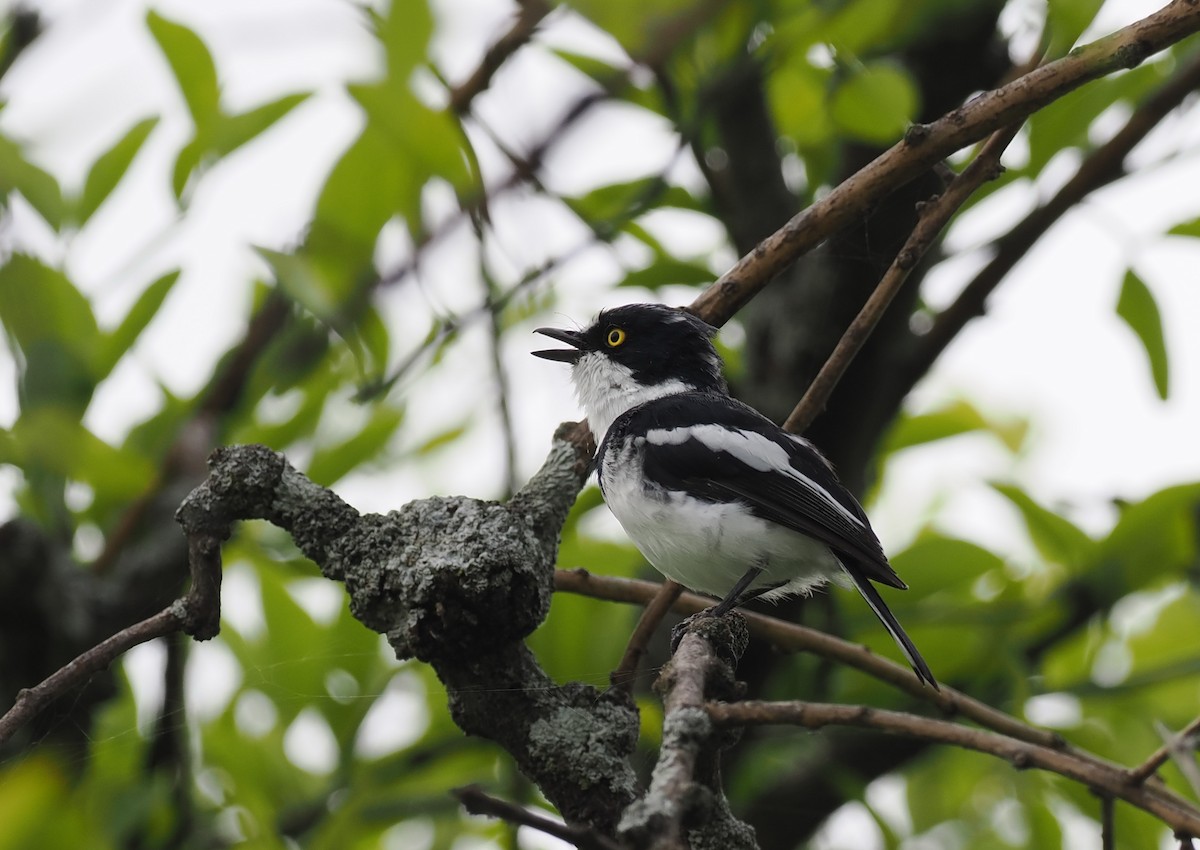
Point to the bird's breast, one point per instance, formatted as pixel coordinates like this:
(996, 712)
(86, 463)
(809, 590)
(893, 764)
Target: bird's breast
(702, 544)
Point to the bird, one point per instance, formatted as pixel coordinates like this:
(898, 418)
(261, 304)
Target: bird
(714, 494)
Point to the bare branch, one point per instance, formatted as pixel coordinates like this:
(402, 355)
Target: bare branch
(1106, 779)
(1102, 166)
(924, 145)
(685, 793)
(934, 216)
(30, 701)
(792, 637)
(531, 14)
(478, 802)
(657, 608)
(1185, 738)
(197, 613)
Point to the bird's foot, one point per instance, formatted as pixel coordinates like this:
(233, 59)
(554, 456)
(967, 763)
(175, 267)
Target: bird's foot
(725, 632)
(681, 628)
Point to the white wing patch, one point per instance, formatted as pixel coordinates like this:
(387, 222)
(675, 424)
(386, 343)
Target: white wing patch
(755, 450)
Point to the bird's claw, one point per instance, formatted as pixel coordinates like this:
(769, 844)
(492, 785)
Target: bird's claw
(681, 628)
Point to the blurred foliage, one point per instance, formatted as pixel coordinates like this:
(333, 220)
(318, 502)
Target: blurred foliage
(320, 739)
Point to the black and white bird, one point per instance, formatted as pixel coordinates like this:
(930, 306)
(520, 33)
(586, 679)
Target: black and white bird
(714, 494)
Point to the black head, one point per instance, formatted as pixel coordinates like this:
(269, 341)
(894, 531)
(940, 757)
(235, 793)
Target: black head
(657, 344)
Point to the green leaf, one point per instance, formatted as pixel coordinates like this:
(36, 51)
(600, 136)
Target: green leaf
(797, 93)
(108, 169)
(1154, 537)
(876, 103)
(957, 417)
(623, 201)
(405, 32)
(235, 130)
(1065, 122)
(937, 564)
(1056, 537)
(114, 345)
(330, 463)
(192, 65)
(53, 325)
(644, 27)
(52, 439)
(1136, 305)
(1187, 228)
(667, 271)
(306, 282)
(1066, 20)
(35, 185)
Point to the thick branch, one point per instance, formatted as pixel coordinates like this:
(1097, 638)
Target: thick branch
(927, 144)
(1103, 778)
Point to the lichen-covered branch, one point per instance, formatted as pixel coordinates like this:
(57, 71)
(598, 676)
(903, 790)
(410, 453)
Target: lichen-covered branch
(457, 583)
(685, 806)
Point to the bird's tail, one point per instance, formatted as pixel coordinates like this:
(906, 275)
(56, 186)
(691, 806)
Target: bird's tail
(893, 626)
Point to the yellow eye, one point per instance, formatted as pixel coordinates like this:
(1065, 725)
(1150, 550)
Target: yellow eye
(615, 337)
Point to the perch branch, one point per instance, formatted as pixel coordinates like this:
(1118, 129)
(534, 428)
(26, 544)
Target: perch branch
(1105, 779)
(792, 637)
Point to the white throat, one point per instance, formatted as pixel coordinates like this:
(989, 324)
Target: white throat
(606, 390)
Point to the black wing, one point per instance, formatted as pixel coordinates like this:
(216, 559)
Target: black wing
(718, 449)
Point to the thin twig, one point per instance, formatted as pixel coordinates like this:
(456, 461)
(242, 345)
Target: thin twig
(933, 217)
(528, 18)
(1159, 757)
(73, 674)
(1102, 777)
(1101, 167)
(478, 802)
(198, 613)
(1108, 840)
(623, 677)
(927, 144)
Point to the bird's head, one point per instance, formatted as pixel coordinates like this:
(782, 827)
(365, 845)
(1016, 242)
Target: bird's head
(633, 354)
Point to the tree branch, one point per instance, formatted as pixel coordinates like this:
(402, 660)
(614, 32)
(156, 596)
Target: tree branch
(1158, 758)
(476, 801)
(1102, 166)
(792, 637)
(933, 217)
(656, 609)
(1107, 780)
(528, 18)
(196, 613)
(685, 806)
(926, 144)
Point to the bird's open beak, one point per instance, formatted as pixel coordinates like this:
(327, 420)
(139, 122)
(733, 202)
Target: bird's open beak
(566, 355)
